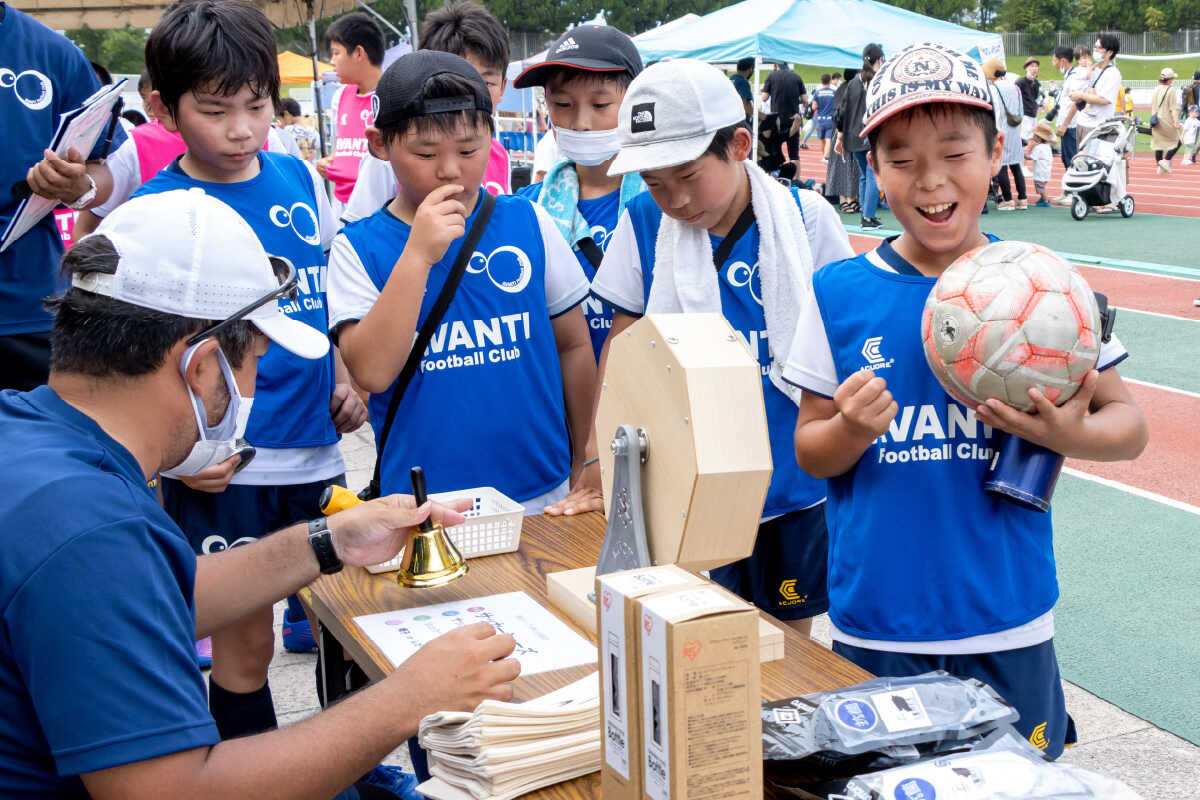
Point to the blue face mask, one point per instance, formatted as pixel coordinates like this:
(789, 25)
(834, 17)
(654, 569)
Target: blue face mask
(217, 442)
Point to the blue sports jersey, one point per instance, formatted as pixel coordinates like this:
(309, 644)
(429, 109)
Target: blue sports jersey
(741, 304)
(42, 75)
(97, 662)
(291, 395)
(824, 98)
(601, 214)
(486, 406)
(917, 550)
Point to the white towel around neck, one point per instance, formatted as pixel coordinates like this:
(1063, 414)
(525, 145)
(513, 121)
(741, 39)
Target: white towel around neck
(685, 281)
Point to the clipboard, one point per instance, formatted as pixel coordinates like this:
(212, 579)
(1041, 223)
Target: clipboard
(79, 128)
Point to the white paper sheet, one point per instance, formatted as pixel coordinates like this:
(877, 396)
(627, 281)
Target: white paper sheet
(544, 642)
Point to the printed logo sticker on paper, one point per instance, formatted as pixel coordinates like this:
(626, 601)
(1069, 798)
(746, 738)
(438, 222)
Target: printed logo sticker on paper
(856, 715)
(901, 710)
(915, 789)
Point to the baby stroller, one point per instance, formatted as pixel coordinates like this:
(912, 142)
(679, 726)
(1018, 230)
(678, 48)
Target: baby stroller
(1097, 174)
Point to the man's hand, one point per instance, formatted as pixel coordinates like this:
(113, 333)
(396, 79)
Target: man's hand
(215, 478)
(837, 147)
(438, 222)
(1060, 428)
(346, 408)
(585, 495)
(1061, 131)
(457, 671)
(373, 532)
(54, 178)
(322, 166)
(866, 405)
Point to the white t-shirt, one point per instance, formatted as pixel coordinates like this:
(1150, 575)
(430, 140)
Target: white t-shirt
(1072, 80)
(1191, 126)
(545, 154)
(1107, 85)
(1043, 159)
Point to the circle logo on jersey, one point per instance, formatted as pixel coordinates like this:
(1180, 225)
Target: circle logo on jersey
(32, 89)
(741, 274)
(601, 236)
(507, 267)
(856, 715)
(367, 114)
(217, 543)
(922, 64)
(300, 218)
(915, 789)
(374, 105)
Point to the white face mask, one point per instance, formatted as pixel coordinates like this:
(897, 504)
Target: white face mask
(217, 442)
(1098, 55)
(588, 148)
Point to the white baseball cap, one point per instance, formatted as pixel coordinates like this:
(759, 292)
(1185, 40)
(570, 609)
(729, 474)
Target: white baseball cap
(670, 113)
(186, 253)
(924, 73)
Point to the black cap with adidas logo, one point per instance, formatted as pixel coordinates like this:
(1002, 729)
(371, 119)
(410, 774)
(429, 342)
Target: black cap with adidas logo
(593, 48)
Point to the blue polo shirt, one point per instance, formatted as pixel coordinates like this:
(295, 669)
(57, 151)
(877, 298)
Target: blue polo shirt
(49, 75)
(97, 662)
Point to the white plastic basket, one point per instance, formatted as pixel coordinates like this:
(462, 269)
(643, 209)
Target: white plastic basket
(493, 526)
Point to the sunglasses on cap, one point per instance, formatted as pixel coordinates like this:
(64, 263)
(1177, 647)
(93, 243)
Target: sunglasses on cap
(285, 273)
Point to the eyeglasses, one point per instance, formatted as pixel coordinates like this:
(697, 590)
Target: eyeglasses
(285, 273)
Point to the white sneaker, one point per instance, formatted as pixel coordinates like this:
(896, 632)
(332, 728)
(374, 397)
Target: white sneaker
(1061, 200)
(1164, 167)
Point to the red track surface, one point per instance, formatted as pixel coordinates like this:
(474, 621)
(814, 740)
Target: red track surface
(1177, 194)
(1134, 290)
(1167, 465)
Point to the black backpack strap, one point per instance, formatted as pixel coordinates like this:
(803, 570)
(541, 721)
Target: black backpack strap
(587, 245)
(459, 268)
(743, 223)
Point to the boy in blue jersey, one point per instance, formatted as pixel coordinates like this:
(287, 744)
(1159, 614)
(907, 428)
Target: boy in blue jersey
(503, 393)
(216, 80)
(926, 570)
(682, 127)
(585, 75)
(822, 106)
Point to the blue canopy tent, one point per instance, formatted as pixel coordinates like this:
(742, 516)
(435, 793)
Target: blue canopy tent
(828, 33)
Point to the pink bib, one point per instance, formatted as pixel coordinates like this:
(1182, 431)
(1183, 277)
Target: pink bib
(496, 176)
(156, 148)
(353, 117)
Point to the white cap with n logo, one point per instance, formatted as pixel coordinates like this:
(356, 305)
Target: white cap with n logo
(670, 113)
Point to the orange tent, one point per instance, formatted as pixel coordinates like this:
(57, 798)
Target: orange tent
(295, 68)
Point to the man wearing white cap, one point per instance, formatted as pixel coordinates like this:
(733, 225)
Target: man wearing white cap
(101, 596)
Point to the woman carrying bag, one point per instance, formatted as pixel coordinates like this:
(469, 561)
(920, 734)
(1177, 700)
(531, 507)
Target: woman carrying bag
(1165, 121)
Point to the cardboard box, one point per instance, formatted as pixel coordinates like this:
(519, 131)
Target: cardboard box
(701, 724)
(617, 639)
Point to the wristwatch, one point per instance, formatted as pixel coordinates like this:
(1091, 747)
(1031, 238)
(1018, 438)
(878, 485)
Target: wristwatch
(321, 539)
(86, 197)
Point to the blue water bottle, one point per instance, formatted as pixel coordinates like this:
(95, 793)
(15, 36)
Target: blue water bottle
(1024, 473)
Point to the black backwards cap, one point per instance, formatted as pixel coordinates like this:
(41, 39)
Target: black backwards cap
(401, 89)
(591, 48)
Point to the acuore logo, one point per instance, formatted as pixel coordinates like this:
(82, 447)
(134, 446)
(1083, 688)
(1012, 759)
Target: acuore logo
(508, 268)
(740, 274)
(31, 88)
(870, 350)
(300, 218)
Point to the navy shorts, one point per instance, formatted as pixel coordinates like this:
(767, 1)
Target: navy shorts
(786, 574)
(1026, 677)
(824, 126)
(240, 514)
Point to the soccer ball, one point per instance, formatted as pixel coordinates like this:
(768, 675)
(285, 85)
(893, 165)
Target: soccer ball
(1006, 317)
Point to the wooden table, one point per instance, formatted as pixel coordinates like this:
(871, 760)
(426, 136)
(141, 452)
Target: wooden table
(548, 544)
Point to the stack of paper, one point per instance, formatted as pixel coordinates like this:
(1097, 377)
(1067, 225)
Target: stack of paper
(502, 750)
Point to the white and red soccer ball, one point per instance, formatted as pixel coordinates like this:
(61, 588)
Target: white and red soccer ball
(1006, 317)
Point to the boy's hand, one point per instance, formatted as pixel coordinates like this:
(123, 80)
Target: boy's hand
(585, 495)
(346, 408)
(215, 478)
(54, 178)
(322, 166)
(1056, 427)
(438, 222)
(865, 404)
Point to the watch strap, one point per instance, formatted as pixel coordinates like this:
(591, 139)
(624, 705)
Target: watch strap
(321, 540)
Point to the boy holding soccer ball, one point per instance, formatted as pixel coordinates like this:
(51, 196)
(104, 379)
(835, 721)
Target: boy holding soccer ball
(926, 570)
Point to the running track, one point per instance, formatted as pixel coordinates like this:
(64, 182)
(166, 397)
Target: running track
(1166, 469)
(1177, 194)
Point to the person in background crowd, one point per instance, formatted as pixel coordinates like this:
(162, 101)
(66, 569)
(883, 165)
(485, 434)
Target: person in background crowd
(850, 112)
(741, 82)
(788, 96)
(59, 78)
(841, 176)
(822, 108)
(1059, 113)
(1164, 110)
(1042, 156)
(356, 49)
(1006, 103)
(1191, 135)
(1076, 77)
(306, 139)
(1097, 101)
(1030, 90)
